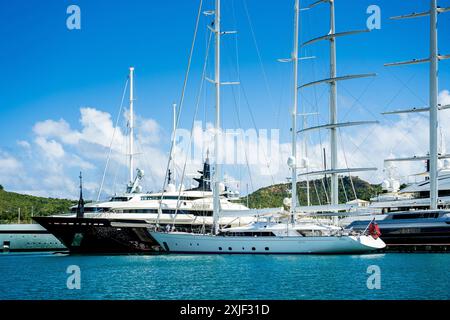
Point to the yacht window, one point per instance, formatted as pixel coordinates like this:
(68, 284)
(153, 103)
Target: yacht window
(183, 198)
(418, 215)
(119, 199)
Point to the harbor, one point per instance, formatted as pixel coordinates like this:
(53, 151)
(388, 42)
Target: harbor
(178, 192)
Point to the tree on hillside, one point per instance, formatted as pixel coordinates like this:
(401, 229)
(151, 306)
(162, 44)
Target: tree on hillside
(1, 187)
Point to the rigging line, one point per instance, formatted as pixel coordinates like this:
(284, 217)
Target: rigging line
(247, 103)
(408, 87)
(343, 187)
(112, 140)
(317, 192)
(240, 126)
(346, 165)
(358, 100)
(116, 174)
(254, 124)
(266, 82)
(325, 188)
(199, 95)
(404, 136)
(140, 148)
(186, 77)
(245, 150)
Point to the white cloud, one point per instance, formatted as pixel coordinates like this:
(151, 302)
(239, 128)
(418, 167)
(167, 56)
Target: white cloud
(444, 97)
(24, 144)
(56, 129)
(57, 152)
(50, 148)
(9, 164)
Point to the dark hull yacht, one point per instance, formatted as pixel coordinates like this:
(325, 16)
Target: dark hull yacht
(421, 230)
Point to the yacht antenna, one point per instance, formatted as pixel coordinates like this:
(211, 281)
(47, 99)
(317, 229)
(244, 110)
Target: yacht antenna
(80, 208)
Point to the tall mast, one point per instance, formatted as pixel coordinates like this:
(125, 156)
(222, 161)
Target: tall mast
(333, 124)
(217, 173)
(294, 112)
(131, 125)
(433, 105)
(333, 110)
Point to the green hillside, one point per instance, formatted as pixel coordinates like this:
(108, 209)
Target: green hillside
(10, 203)
(272, 196)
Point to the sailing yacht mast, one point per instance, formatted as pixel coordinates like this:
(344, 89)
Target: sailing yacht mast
(333, 124)
(433, 107)
(294, 113)
(333, 109)
(131, 126)
(217, 172)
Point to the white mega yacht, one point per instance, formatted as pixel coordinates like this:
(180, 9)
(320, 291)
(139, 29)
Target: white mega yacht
(121, 224)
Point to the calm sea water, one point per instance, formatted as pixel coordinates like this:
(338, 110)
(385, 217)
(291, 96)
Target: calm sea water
(403, 276)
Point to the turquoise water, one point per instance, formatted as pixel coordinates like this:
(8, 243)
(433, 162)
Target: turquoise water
(403, 276)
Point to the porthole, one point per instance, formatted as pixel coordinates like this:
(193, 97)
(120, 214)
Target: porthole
(266, 248)
(253, 248)
(220, 248)
(230, 248)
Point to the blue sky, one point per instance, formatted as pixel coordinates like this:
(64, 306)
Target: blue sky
(50, 72)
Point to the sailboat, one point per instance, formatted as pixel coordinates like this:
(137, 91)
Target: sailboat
(270, 234)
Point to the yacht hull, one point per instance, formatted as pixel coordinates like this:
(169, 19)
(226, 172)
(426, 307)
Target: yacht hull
(411, 234)
(22, 238)
(196, 243)
(93, 236)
